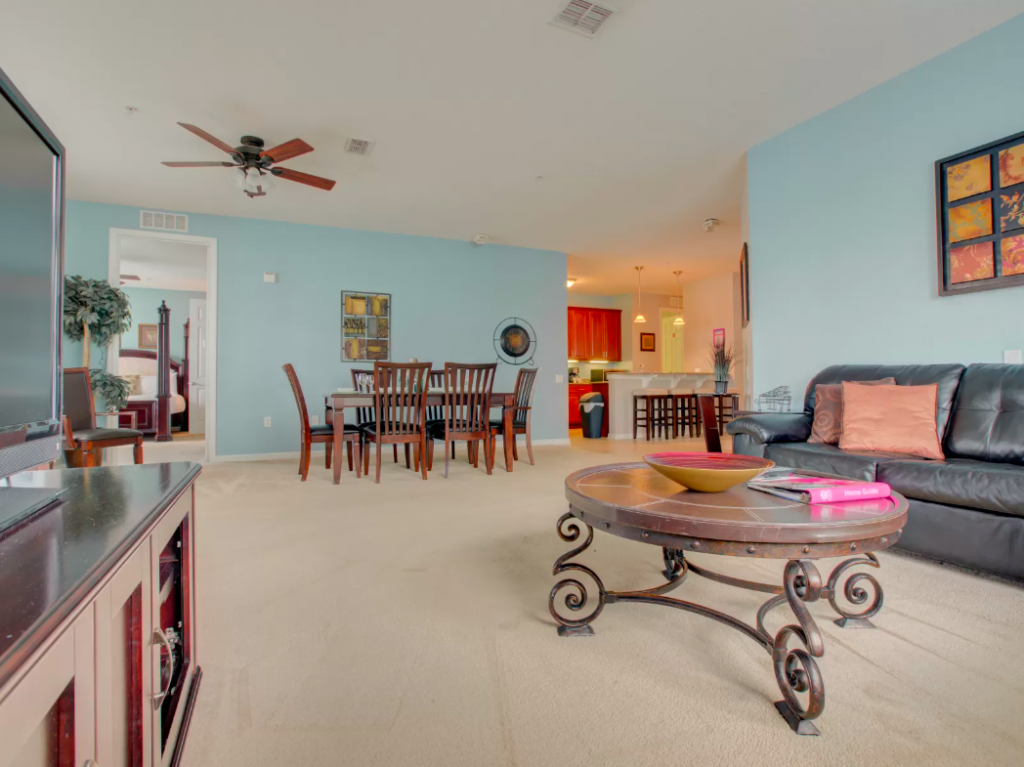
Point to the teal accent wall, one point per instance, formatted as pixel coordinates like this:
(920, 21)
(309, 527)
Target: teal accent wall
(842, 223)
(146, 301)
(447, 298)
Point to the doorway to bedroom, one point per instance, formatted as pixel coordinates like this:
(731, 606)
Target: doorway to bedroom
(170, 282)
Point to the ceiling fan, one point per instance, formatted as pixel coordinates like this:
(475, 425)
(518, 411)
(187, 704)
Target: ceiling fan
(254, 163)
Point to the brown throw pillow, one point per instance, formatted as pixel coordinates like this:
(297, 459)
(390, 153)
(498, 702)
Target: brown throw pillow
(891, 419)
(828, 410)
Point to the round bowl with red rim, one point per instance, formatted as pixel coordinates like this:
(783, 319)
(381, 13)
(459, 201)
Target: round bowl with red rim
(708, 472)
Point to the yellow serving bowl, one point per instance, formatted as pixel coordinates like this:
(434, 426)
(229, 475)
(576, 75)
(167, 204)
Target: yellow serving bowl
(708, 472)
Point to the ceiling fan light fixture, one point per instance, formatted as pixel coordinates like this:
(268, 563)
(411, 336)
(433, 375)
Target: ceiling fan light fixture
(237, 179)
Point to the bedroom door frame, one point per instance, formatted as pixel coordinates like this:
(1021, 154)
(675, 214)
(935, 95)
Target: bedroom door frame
(114, 277)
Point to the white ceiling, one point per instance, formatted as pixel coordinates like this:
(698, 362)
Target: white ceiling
(639, 134)
(163, 264)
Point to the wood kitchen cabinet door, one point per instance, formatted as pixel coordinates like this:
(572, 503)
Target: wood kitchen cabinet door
(123, 677)
(48, 718)
(580, 342)
(613, 335)
(598, 334)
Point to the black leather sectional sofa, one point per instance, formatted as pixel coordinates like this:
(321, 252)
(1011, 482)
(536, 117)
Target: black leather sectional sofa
(967, 509)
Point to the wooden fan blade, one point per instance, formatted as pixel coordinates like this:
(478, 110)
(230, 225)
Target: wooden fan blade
(199, 164)
(305, 178)
(207, 137)
(287, 150)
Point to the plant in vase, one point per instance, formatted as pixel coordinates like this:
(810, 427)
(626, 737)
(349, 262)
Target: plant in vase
(721, 362)
(97, 312)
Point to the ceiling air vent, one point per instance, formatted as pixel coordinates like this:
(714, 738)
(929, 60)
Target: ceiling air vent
(165, 222)
(583, 17)
(359, 146)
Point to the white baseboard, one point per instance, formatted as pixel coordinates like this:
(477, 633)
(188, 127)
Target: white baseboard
(561, 442)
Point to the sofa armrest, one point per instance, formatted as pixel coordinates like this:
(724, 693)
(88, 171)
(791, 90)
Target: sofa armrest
(766, 428)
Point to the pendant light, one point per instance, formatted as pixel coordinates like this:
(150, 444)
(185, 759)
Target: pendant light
(679, 317)
(639, 310)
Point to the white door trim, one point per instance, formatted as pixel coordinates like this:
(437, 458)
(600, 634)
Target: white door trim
(114, 277)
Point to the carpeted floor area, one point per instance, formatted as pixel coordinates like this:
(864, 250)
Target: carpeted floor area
(407, 624)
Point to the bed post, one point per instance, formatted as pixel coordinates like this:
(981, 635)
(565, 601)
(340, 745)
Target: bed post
(183, 376)
(163, 375)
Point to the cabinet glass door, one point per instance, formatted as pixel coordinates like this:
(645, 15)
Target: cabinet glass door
(48, 719)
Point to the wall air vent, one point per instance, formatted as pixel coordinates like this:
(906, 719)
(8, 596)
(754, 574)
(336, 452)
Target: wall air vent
(165, 222)
(134, 277)
(583, 17)
(359, 146)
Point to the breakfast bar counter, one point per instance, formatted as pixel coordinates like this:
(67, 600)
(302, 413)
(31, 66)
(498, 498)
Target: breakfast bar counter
(620, 395)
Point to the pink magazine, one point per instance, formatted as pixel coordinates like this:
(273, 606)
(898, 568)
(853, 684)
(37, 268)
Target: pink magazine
(820, 489)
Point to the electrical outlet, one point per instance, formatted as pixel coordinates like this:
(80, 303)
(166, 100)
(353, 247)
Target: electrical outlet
(314, 420)
(266, 422)
(559, 378)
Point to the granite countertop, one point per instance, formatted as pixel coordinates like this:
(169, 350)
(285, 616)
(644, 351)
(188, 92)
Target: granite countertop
(52, 560)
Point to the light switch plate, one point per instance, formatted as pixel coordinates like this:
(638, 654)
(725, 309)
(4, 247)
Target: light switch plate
(270, 276)
(266, 421)
(1013, 357)
(559, 378)
(314, 420)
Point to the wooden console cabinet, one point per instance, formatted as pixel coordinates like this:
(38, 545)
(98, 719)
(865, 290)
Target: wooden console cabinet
(98, 661)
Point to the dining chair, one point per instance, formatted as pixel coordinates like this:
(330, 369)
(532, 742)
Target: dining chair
(467, 413)
(321, 433)
(709, 421)
(521, 413)
(83, 442)
(400, 399)
(362, 380)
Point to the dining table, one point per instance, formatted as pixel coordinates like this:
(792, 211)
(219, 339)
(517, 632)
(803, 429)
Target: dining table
(349, 398)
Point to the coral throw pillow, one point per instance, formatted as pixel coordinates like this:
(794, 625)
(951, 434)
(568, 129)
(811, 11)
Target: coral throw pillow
(828, 410)
(891, 419)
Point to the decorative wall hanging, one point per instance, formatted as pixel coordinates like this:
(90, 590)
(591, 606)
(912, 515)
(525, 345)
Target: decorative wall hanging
(979, 199)
(365, 326)
(515, 341)
(148, 336)
(647, 342)
(745, 284)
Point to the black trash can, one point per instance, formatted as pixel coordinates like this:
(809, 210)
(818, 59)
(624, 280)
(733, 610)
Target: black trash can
(592, 414)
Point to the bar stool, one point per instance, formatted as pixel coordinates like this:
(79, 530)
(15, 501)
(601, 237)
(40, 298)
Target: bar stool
(657, 412)
(684, 411)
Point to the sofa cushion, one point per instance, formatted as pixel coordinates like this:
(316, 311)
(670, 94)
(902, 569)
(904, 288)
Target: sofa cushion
(946, 376)
(988, 422)
(891, 419)
(959, 482)
(829, 459)
(828, 410)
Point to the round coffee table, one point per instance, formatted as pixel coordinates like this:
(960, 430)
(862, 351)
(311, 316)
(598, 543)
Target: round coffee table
(634, 501)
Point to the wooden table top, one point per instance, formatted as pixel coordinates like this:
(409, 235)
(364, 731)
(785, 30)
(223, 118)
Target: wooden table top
(634, 501)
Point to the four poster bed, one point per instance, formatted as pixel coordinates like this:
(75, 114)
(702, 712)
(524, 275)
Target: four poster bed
(162, 401)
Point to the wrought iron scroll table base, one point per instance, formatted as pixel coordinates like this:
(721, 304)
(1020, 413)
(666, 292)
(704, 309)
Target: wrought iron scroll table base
(796, 670)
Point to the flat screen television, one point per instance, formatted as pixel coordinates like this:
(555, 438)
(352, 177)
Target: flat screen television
(31, 290)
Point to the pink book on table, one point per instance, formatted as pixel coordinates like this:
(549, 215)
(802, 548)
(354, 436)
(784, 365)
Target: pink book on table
(822, 490)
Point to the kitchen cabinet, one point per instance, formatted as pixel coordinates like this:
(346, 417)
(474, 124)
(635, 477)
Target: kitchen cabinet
(594, 334)
(98, 660)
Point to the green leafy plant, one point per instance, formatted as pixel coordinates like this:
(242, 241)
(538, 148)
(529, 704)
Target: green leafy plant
(113, 390)
(97, 312)
(94, 312)
(721, 360)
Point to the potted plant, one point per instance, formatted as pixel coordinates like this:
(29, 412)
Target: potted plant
(721, 362)
(97, 312)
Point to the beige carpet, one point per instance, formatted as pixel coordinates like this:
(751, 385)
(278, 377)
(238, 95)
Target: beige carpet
(407, 624)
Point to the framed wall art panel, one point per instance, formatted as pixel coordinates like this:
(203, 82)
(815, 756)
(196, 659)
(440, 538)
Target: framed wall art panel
(365, 326)
(979, 200)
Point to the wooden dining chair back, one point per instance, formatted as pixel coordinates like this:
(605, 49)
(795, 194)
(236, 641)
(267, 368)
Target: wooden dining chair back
(467, 407)
(709, 420)
(521, 416)
(400, 398)
(318, 434)
(435, 413)
(83, 442)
